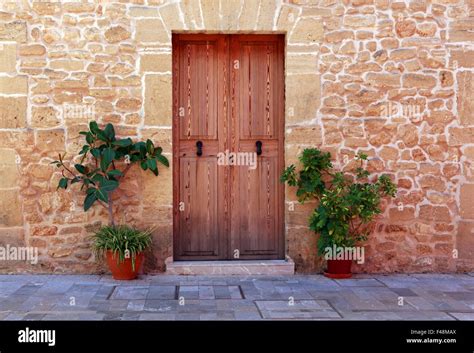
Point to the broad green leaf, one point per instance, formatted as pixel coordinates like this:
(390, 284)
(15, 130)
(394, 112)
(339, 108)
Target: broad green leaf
(140, 147)
(101, 136)
(114, 173)
(102, 195)
(89, 138)
(108, 185)
(63, 183)
(123, 142)
(163, 160)
(90, 191)
(151, 163)
(88, 202)
(144, 165)
(84, 149)
(98, 178)
(94, 127)
(95, 152)
(80, 168)
(158, 151)
(109, 132)
(149, 146)
(108, 155)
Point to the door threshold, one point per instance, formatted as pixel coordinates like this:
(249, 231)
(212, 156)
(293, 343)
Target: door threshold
(231, 268)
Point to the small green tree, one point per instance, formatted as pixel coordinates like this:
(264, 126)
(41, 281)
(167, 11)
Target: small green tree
(101, 177)
(347, 203)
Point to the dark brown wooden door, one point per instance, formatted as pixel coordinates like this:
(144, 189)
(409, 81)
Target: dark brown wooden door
(228, 97)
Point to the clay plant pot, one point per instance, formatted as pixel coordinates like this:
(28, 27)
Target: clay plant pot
(124, 270)
(339, 269)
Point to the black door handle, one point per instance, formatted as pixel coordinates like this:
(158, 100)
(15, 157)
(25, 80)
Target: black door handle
(199, 148)
(259, 147)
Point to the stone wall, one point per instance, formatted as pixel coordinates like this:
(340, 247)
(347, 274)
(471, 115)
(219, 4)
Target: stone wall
(348, 62)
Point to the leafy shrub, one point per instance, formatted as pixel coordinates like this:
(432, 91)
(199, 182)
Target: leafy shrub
(347, 202)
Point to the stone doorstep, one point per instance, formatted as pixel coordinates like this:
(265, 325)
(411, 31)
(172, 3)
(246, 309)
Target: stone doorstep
(239, 268)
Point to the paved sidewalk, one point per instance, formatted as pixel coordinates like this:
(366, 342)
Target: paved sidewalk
(162, 297)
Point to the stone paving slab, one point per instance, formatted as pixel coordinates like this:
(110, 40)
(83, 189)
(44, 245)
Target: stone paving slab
(303, 309)
(166, 297)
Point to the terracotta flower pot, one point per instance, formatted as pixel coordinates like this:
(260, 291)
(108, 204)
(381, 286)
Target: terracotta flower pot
(124, 270)
(339, 269)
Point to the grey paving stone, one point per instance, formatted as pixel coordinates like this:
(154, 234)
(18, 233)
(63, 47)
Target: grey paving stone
(15, 317)
(113, 316)
(206, 292)
(7, 288)
(54, 288)
(136, 305)
(404, 292)
(130, 293)
(28, 289)
(225, 315)
(362, 282)
(161, 292)
(364, 297)
(74, 316)
(156, 317)
(13, 302)
(188, 292)
(247, 315)
(234, 292)
(3, 315)
(303, 309)
(104, 292)
(463, 316)
(222, 292)
(461, 295)
(398, 280)
(118, 304)
(208, 316)
(370, 315)
(187, 288)
(165, 306)
(424, 315)
(187, 316)
(128, 316)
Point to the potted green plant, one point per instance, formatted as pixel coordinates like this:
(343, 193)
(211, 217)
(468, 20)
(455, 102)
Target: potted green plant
(347, 203)
(103, 163)
(123, 247)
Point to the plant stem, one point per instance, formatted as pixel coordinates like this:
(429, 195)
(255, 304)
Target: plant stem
(125, 170)
(111, 209)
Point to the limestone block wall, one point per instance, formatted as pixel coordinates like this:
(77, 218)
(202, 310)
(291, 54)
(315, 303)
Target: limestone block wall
(350, 64)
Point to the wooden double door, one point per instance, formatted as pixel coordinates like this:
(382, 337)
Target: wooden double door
(228, 121)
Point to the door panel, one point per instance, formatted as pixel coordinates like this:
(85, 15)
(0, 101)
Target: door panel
(256, 90)
(199, 115)
(257, 195)
(198, 89)
(255, 217)
(199, 221)
(228, 93)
